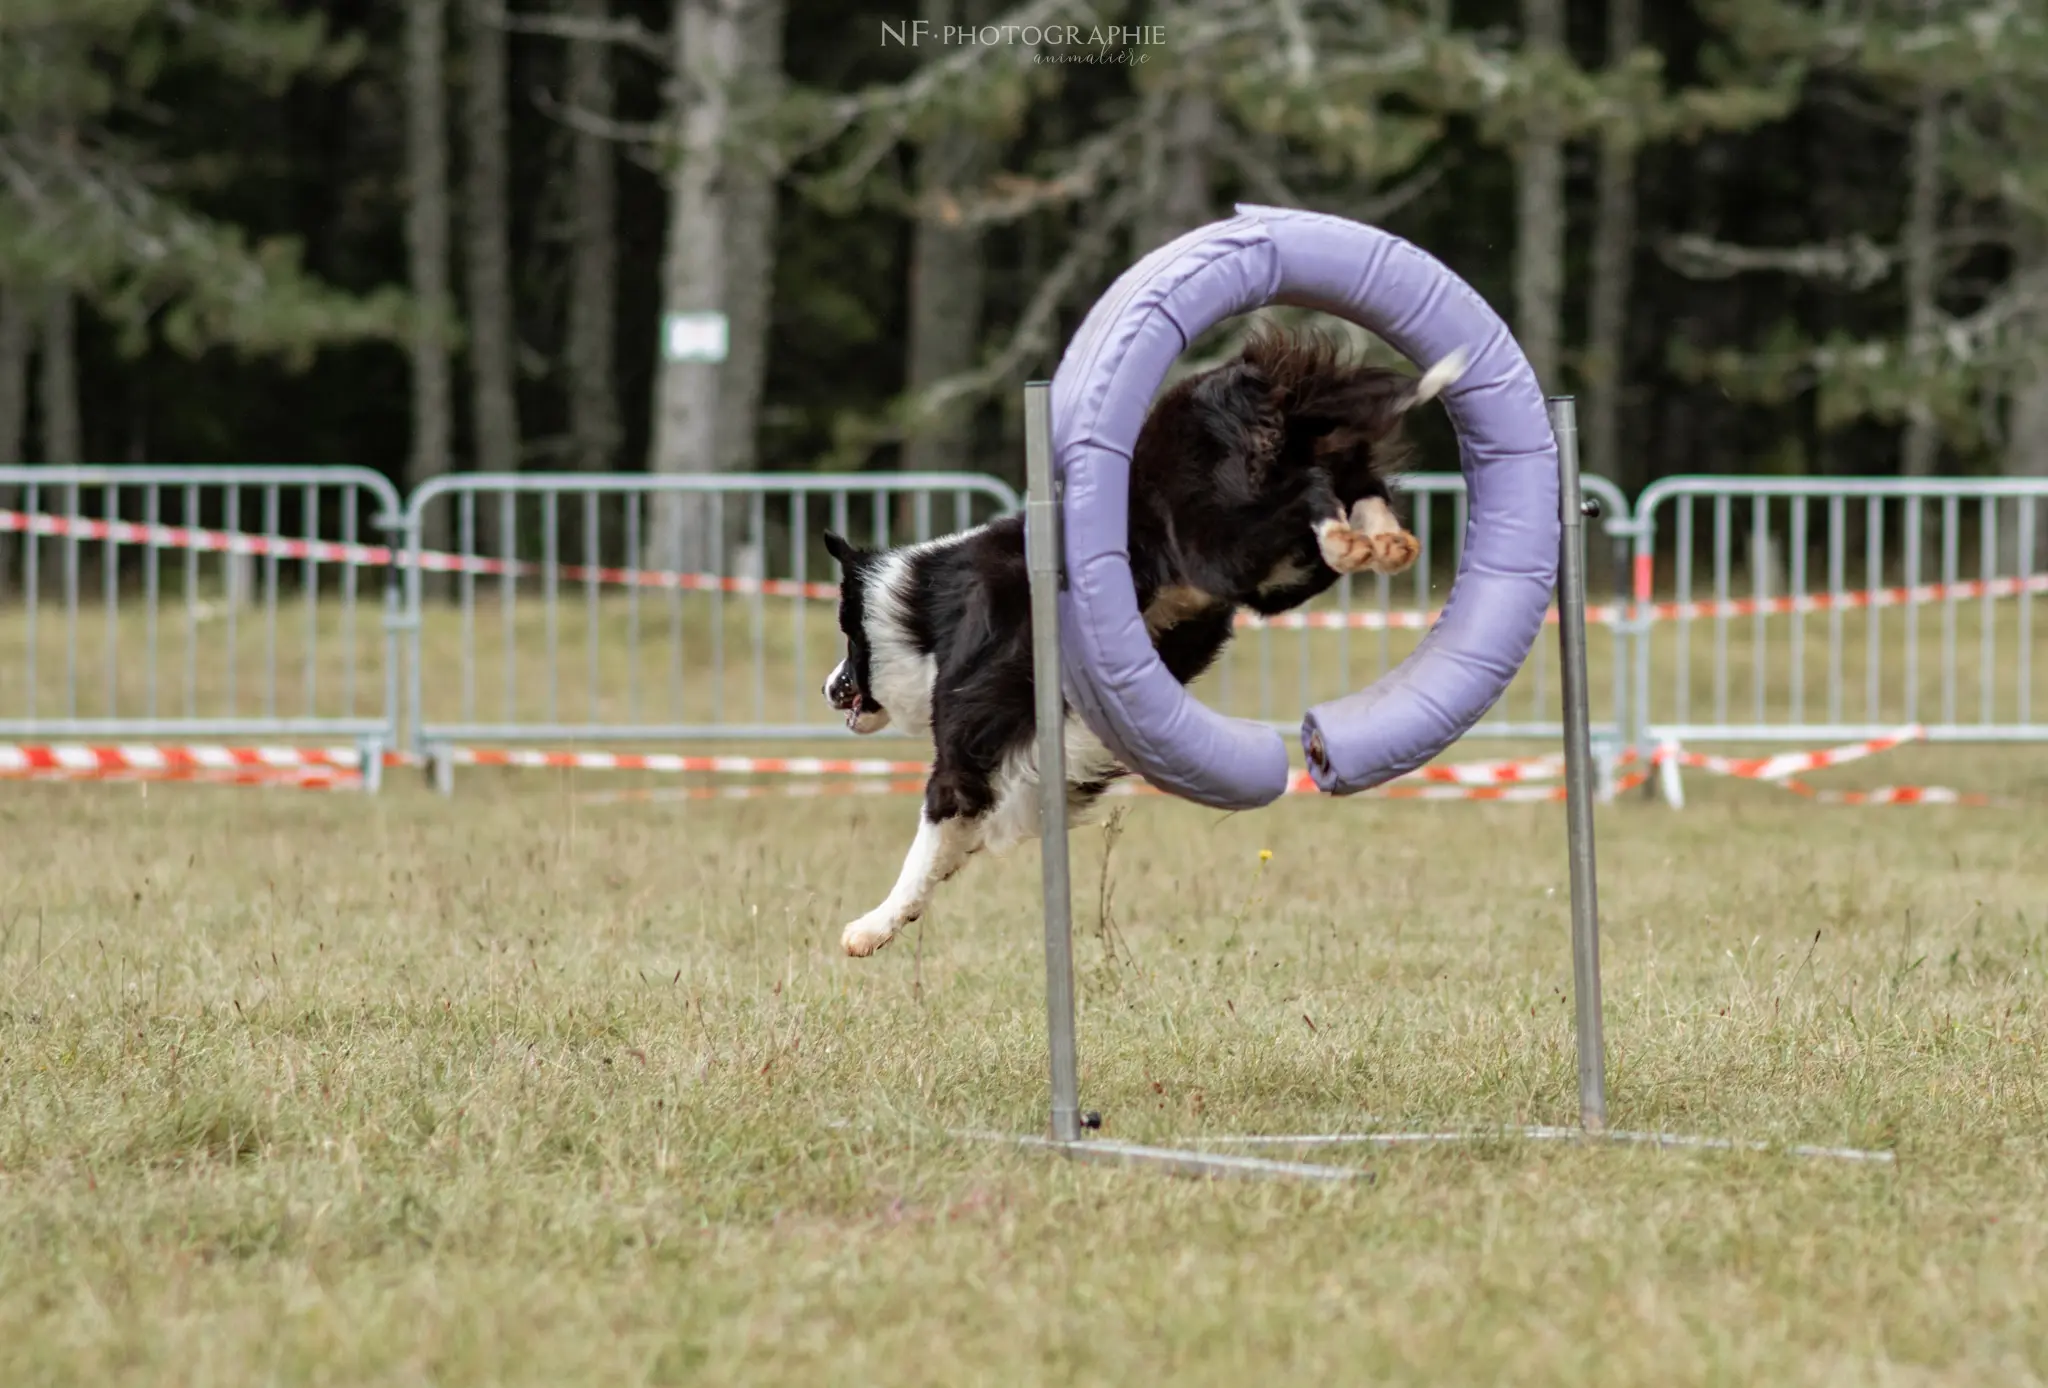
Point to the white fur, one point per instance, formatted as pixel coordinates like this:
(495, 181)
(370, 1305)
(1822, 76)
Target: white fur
(1015, 816)
(901, 679)
(1372, 516)
(899, 676)
(1441, 377)
(940, 849)
(935, 854)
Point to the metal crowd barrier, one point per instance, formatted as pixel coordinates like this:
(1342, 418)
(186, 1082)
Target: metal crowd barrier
(248, 603)
(1367, 623)
(180, 602)
(1805, 609)
(561, 619)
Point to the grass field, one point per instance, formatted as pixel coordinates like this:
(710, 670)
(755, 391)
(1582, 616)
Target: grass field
(517, 1088)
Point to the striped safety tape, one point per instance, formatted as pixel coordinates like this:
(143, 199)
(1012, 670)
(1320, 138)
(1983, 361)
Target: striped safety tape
(144, 757)
(532, 758)
(1783, 769)
(1895, 795)
(1777, 767)
(380, 556)
(310, 778)
(1501, 781)
(435, 561)
(78, 760)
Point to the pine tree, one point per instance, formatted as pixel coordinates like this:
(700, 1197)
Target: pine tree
(426, 238)
(593, 250)
(493, 336)
(1965, 83)
(91, 209)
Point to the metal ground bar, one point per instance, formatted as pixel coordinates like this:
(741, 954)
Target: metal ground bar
(1175, 1160)
(1674, 1141)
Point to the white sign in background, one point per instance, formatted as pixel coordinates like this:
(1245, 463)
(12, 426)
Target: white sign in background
(695, 337)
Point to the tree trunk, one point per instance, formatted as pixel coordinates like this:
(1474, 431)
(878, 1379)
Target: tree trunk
(1540, 212)
(752, 178)
(708, 39)
(946, 283)
(487, 259)
(14, 347)
(1920, 448)
(426, 237)
(593, 258)
(1614, 240)
(63, 434)
(2026, 455)
(1177, 165)
(2026, 426)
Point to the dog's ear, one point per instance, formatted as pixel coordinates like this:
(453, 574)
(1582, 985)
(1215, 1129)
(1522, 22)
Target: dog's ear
(849, 557)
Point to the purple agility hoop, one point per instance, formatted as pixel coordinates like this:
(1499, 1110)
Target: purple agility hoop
(1105, 384)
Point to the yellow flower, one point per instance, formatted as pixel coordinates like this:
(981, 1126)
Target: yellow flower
(1265, 855)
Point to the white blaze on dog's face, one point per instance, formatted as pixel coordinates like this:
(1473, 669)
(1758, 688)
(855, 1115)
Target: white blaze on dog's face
(848, 688)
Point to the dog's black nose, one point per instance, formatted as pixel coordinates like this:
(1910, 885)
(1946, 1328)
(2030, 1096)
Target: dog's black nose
(840, 689)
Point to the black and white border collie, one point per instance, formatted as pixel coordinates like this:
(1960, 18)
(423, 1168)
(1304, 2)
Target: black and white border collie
(1254, 484)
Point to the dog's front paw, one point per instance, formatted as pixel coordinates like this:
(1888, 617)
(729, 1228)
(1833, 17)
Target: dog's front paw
(1393, 552)
(867, 934)
(1345, 550)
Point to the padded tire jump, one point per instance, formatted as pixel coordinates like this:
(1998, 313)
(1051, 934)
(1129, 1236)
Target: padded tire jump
(1105, 385)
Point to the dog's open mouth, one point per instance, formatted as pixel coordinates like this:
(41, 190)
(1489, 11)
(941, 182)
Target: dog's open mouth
(864, 717)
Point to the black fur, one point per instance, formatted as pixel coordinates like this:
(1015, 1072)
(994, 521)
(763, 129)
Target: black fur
(1231, 472)
(1235, 466)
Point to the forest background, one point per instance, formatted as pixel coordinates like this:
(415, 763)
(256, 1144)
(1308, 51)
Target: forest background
(1754, 236)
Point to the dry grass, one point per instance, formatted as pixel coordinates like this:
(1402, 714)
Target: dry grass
(515, 1088)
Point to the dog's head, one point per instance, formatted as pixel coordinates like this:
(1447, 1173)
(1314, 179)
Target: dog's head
(849, 688)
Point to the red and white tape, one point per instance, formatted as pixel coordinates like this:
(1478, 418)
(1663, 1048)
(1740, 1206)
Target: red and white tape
(1802, 604)
(532, 758)
(1502, 780)
(1600, 614)
(1464, 774)
(1893, 795)
(1783, 764)
(308, 778)
(82, 759)
(78, 759)
(435, 561)
(1523, 794)
(1784, 768)
(796, 790)
(1507, 780)
(1490, 773)
(380, 556)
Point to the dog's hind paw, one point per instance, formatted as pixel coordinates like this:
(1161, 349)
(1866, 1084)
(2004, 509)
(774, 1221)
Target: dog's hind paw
(1393, 548)
(1393, 552)
(867, 935)
(1344, 549)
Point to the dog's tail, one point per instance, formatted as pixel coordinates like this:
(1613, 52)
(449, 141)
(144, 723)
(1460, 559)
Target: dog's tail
(1438, 379)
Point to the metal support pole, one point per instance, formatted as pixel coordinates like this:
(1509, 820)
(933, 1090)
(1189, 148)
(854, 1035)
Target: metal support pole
(1044, 551)
(1578, 762)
